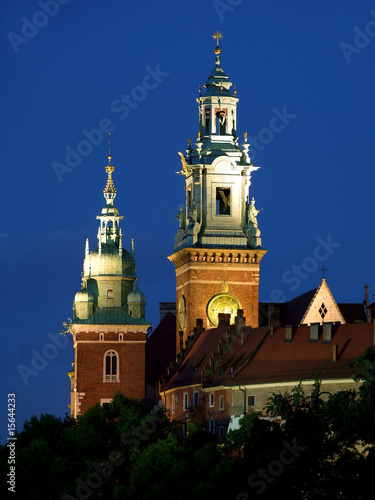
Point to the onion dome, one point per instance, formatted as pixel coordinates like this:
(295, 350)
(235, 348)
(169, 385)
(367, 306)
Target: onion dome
(107, 260)
(83, 295)
(136, 296)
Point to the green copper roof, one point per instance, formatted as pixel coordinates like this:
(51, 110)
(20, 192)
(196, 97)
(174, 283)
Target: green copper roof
(111, 316)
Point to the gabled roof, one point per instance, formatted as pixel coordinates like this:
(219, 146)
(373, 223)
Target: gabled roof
(295, 311)
(323, 307)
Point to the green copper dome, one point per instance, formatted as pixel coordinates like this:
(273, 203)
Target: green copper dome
(83, 295)
(136, 297)
(109, 262)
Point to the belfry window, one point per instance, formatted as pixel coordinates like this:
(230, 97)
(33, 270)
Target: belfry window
(207, 117)
(222, 201)
(110, 293)
(221, 122)
(111, 372)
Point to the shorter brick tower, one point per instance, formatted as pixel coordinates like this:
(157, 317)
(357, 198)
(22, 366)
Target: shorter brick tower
(218, 246)
(109, 328)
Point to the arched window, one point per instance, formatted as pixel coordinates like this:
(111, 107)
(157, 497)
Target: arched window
(111, 367)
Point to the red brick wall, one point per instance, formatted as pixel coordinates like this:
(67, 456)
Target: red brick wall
(90, 368)
(202, 280)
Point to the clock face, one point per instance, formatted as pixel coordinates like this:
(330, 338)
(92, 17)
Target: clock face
(182, 313)
(222, 303)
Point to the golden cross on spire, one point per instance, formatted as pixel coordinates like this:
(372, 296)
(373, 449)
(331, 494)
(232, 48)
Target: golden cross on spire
(109, 149)
(218, 36)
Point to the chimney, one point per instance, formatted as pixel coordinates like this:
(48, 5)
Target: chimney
(199, 326)
(239, 321)
(274, 316)
(327, 333)
(224, 319)
(334, 353)
(243, 335)
(314, 332)
(288, 333)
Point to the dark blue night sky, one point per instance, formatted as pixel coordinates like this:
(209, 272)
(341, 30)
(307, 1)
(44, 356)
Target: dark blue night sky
(305, 76)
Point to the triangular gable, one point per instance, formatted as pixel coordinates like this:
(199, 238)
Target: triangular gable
(323, 307)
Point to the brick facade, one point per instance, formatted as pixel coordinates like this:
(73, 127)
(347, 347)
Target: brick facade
(90, 386)
(200, 275)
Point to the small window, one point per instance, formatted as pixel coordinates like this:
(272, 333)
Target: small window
(212, 399)
(104, 401)
(111, 367)
(196, 398)
(250, 400)
(211, 425)
(221, 403)
(110, 293)
(173, 404)
(189, 197)
(121, 337)
(186, 401)
(221, 431)
(101, 336)
(222, 201)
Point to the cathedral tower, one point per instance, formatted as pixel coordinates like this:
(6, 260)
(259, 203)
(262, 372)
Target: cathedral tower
(109, 328)
(218, 247)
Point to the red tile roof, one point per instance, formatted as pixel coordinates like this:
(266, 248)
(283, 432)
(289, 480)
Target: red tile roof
(280, 361)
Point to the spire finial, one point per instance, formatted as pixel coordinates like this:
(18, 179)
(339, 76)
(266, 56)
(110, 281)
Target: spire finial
(109, 149)
(109, 190)
(218, 36)
(323, 269)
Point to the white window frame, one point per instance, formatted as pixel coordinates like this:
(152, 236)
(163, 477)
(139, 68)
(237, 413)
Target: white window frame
(186, 401)
(110, 377)
(212, 399)
(104, 401)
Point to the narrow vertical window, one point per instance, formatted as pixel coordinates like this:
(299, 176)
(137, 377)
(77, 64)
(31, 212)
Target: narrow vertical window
(222, 201)
(196, 398)
(208, 116)
(186, 401)
(212, 399)
(221, 122)
(111, 367)
(173, 404)
(211, 425)
(110, 293)
(221, 403)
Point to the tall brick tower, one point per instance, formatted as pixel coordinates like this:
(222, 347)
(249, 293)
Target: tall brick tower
(218, 247)
(109, 328)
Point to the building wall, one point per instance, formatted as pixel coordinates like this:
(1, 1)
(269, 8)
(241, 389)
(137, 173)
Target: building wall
(262, 392)
(89, 367)
(202, 412)
(201, 278)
